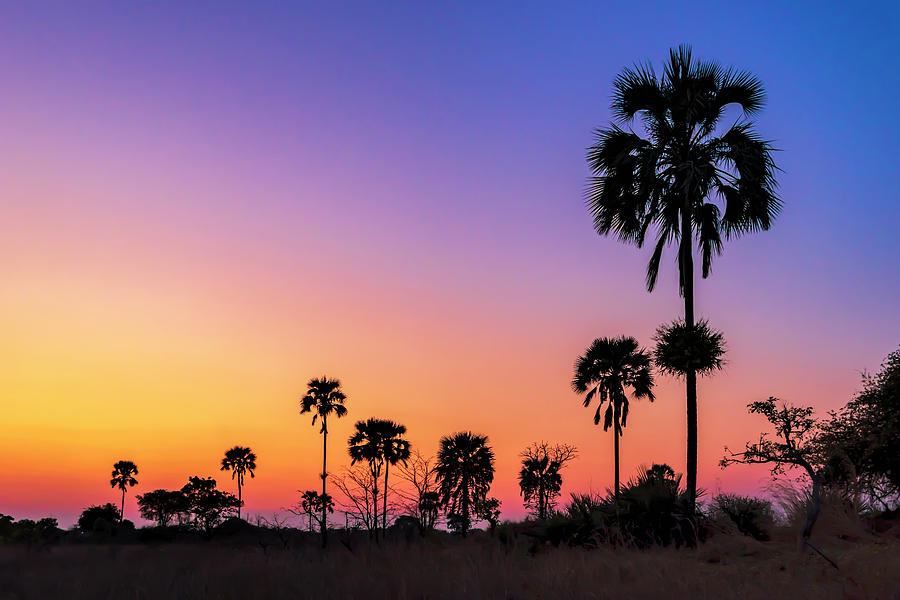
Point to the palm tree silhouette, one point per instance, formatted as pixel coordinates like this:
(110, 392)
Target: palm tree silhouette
(324, 397)
(604, 371)
(367, 444)
(394, 449)
(465, 470)
(674, 179)
(239, 460)
(123, 477)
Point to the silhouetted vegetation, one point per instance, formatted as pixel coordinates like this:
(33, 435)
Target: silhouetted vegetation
(751, 516)
(673, 179)
(123, 477)
(604, 371)
(163, 506)
(240, 461)
(465, 470)
(540, 479)
(324, 397)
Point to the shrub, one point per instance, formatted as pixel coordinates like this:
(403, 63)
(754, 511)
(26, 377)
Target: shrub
(753, 517)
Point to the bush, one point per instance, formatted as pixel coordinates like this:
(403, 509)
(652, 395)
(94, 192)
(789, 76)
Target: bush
(107, 512)
(652, 509)
(752, 516)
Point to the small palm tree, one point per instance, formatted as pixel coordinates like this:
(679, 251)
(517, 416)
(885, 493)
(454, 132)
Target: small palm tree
(465, 471)
(240, 461)
(123, 477)
(687, 179)
(324, 397)
(605, 370)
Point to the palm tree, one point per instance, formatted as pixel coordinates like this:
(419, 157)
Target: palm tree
(367, 445)
(608, 367)
(465, 470)
(123, 477)
(239, 460)
(324, 397)
(677, 174)
(394, 449)
(689, 351)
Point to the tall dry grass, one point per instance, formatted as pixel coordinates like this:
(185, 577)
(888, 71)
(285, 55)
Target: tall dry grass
(725, 567)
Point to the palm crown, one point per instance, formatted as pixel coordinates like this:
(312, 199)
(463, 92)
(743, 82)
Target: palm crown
(323, 397)
(123, 475)
(239, 460)
(608, 367)
(684, 177)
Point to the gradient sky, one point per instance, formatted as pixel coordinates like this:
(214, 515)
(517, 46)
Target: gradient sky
(205, 206)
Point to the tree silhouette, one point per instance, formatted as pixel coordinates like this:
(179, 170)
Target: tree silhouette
(686, 178)
(123, 477)
(324, 397)
(395, 449)
(309, 502)
(540, 478)
(240, 461)
(604, 371)
(424, 500)
(370, 443)
(796, 428)
(465, 470)
(162, 506)
(206, 503)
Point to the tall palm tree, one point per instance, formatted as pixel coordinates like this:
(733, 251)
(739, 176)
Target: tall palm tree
(240, 461)
(683, 175)
(394, 449)
(367, 445)
(324, 397)
(123, 477)
(604, 371)
(465, 471)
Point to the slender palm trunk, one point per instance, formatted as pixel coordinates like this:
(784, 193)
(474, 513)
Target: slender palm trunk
(815, 504)
(240, 501)
(542, 509)
(374, 502)
(384, 509)
(324, 524)
(687, 281)
(616, 432)
(122, 513)
(465, 507)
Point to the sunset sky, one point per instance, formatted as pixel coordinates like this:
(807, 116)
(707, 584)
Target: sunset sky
(204, 207)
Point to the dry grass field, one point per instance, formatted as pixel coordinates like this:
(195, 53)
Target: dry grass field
(727, 566)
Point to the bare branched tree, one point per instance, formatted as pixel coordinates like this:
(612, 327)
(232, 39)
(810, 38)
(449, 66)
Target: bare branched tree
(358, 497)
(421, 498)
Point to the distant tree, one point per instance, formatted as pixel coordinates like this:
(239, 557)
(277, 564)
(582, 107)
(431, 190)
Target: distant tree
(162, 506)
(604, 371)
(859, 445)
(794, 446)
(366, 445)
(359, 489)
(108, 513)
(240, 461)
(465, 470)
(687, 351)
(123, 477)
(324, 397)
(540, 479)
(311, 504)
(395, 449)
(424, 500)
(670, 176)
(207, 504)
(488, 510)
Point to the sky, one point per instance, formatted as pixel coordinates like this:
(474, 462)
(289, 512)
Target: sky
(206, 204)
